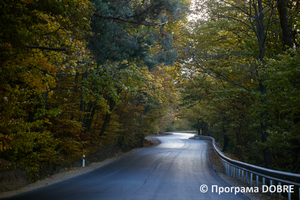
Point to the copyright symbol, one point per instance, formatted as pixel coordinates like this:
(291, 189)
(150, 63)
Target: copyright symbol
(203, 188)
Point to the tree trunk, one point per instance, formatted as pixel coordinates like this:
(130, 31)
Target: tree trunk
(112, 104)
(89, 116)
(226, 142)
(286, 34)
(263, 125)
(82, 103)
(32, 112)
(141, 140)
(198, 127)
(94, 132)
(259, 19)
(75, 89)
(43, 106)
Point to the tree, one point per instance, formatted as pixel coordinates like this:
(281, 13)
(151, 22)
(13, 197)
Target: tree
(235, 45)
(39, 39)
(77, 76)
(129, 29)
(127, 33)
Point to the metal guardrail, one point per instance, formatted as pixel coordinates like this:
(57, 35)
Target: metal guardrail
(245, 172)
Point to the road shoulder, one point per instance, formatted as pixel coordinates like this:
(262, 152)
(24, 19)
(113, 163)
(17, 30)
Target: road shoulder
(150, 141)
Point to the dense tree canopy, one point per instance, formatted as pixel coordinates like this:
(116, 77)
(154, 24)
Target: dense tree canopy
(241, 60)
(78, 76)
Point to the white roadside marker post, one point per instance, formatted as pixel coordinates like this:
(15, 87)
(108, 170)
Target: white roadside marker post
(83, 161)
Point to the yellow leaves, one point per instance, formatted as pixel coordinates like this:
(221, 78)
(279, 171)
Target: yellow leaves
(38, 42)
(4, 142)
(158, 84)
(223, 32)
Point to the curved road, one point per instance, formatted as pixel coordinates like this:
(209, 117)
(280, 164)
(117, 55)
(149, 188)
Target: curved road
(175, 169)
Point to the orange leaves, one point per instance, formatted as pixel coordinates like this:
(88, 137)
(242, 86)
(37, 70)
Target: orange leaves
(7, 46)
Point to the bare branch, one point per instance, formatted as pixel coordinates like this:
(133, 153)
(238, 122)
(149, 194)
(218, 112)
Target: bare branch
(227, 54)
(235, 19)
(219, 77)
(237, 7)
(234, 54)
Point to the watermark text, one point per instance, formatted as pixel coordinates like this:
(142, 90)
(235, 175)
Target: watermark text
(263, 189)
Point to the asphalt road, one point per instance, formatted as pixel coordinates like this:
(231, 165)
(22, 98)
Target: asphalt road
(175, 169)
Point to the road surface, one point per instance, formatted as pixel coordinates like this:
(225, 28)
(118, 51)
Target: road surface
(175, 169)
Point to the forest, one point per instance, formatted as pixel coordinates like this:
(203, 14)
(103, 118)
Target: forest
(78, 76)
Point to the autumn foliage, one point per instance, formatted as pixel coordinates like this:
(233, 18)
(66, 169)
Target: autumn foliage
(59, 98)
(241, 79)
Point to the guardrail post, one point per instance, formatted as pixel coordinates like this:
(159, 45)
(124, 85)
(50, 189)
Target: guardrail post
(289, 193)
(233, 172)
(224, 163)
(242, 179)
(227, 169)
(279, 177)
(271, 182)
(236, 173)
(279, 183)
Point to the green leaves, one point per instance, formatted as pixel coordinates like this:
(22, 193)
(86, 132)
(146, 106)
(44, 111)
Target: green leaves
(239, 79)
(56, 103)
(130, 31)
